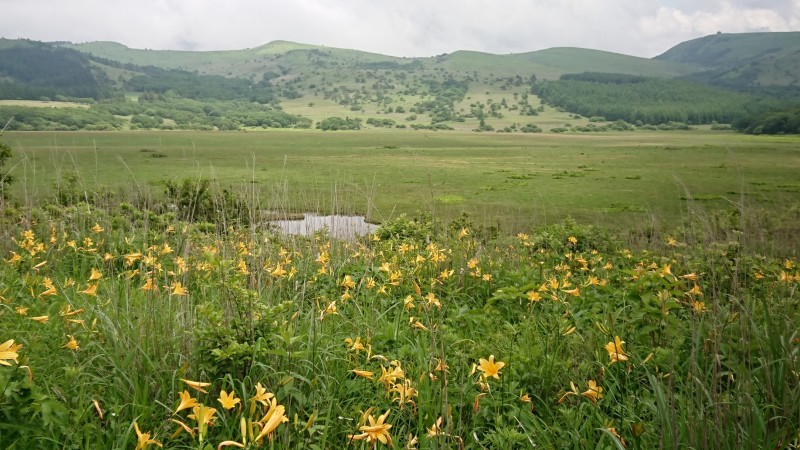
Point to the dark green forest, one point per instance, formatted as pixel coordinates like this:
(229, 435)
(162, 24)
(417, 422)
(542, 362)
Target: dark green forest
(35, 70)
(153, 111)
(647, 100)
(785, 121)
(731, 91)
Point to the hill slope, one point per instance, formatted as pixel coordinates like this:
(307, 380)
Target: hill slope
(31, 70)
(282, 56)
(743, 60)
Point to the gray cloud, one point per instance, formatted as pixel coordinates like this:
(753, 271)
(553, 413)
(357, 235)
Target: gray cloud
(410, 28)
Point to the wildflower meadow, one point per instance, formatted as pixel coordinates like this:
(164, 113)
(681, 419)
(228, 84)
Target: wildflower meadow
(123, 328)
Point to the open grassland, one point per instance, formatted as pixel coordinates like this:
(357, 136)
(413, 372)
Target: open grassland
(515, 181)
(122, 328)
(42, 104)
(134, 316)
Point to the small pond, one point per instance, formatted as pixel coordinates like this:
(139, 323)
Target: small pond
(340, 227)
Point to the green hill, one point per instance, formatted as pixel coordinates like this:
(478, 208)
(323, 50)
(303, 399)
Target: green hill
(297, 58)
(279, 82)
(278, 56)
(33, 70)
(742, 61)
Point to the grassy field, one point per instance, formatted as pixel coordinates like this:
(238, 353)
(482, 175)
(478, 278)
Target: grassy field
(127, 323)
(516, 181)
(42, 104)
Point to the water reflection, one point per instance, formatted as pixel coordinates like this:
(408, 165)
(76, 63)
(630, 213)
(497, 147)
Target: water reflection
(340, 227)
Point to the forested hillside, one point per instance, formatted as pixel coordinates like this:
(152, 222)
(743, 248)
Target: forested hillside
(781, 121)
(719, 78)
(762, 62)
(31, 70)
(646, 100)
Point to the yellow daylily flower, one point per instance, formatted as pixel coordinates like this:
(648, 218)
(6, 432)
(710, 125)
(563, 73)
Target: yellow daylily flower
(348, 282)
(8, 352)
(274, 417)
(96, 275)
(90, 290)
(329, 310)
(51, 290)
(143, 439)
(376, 431)
(363, 373)
(615, 350)
(354, 346)
(278, 272)
(405, 392)
(186, 401)
(262, 396)
(490, 368)
(390, 377)
(435, 429)
(432, 300)
(228, 400)
(41, 319)
(594, 393)
(149, 285)
(15, 258)
(197, 385)
(178, 289)
(204, 416)
(72, 344)
(699, 307)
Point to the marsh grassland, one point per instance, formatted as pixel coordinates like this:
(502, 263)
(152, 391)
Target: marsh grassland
(618, 290)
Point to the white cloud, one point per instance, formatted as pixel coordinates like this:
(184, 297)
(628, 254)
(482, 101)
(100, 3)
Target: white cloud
(670, 24)
(410, 28)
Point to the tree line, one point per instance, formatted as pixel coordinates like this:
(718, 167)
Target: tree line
(645, 100)
(33, 70)
(153, 111)
(783, 121)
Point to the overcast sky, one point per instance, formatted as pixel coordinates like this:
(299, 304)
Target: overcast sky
(399, 28)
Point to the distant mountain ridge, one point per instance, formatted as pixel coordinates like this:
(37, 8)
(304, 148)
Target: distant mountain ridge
(747, 60)
(766, 62)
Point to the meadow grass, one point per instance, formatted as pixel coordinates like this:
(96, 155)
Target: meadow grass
(508, 180)
(42, 104)
(558, 338)
(114, 306)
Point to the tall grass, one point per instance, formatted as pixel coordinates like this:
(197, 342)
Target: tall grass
(708, 313)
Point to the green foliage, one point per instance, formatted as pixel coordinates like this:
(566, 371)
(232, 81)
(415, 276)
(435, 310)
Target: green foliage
(5, 177)
(771, 122)
(445, 96)
(32, 70)
(765, 63)
(381, 123)
(337, 123)
(198, 201)
(242, 308)
(650, 100)
(58, 119)
(530, 128)
(190, 85)
(149, 113)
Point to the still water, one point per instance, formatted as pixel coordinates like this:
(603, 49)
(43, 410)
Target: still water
(340, 227)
